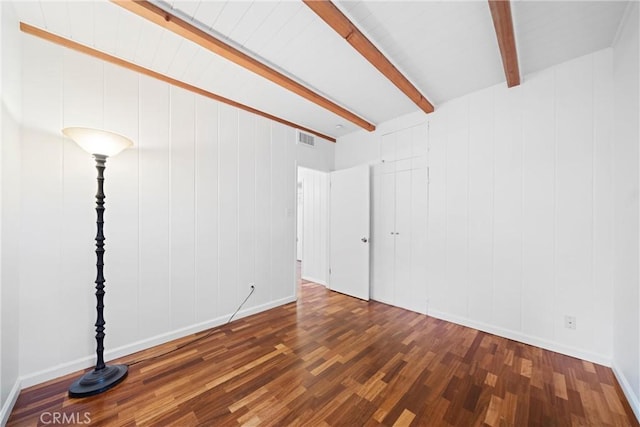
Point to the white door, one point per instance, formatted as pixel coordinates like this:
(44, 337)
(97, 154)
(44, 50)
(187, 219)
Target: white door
(385, 241)
(402, 278)
(300, 222)
(349, 236)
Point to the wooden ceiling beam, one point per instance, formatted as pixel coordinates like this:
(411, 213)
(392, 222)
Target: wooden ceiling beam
(70, 44)
(330, 14)
(503, 23)
(159, 16)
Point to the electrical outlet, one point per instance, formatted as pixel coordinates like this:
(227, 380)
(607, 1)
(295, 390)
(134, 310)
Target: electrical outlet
(570, 322)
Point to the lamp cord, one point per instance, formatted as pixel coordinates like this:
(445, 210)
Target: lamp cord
(253, 288)
(207, 335)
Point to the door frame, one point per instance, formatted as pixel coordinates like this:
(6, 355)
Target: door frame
(324, 237)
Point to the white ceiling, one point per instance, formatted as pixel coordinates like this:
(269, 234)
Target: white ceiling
(446, 48)
(551, 32)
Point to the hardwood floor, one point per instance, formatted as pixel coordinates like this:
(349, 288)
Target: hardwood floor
(334, 360)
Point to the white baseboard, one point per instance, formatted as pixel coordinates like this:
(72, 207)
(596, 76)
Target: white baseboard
(265, 307)
(524, 338)
(88, 361)
(7, 407)
(634, 400)
(314, 280)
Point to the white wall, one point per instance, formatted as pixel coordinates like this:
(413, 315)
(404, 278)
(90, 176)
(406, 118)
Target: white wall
(315, 225)
(299, 220)
(520, 216)
(364, 147)
(314, 163)
(626, 321)
(202, 206)
(10, 90)
(320, 157)
(315, 231)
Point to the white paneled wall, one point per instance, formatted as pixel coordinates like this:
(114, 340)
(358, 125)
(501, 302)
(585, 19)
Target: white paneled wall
(299, 220)
(520, 206)
(199, 209)
(315, 218)
(320, 157)
(10, 110)
(626, 321)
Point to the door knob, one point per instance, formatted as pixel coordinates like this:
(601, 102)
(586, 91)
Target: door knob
(364, 240)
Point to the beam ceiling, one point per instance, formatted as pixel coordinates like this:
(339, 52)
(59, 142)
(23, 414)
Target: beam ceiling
(330, 14)
(503, 23)
(159, 16)
(70, 44)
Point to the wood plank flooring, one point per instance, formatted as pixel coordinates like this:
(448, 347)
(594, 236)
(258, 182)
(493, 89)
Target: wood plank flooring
(332, 360)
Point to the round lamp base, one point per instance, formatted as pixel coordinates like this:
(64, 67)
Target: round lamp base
(96, 382)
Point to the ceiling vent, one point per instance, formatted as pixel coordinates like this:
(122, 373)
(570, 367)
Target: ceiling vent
(306, 139)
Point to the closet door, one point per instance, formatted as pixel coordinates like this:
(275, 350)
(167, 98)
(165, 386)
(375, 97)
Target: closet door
(403, 235)
(400, 220)
(377, 230)
(385, 240)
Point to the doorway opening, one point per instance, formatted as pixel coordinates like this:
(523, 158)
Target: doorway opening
(312, 226)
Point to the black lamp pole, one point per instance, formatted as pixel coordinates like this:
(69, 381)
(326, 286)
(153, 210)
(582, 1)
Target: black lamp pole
(103, 377)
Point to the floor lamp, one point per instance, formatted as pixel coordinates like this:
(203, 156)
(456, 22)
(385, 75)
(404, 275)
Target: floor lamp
(101, 144)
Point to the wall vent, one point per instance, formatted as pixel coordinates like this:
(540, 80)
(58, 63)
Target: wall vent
(306, 139)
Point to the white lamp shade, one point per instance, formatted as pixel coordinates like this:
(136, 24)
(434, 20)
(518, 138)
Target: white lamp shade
(96, 141)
